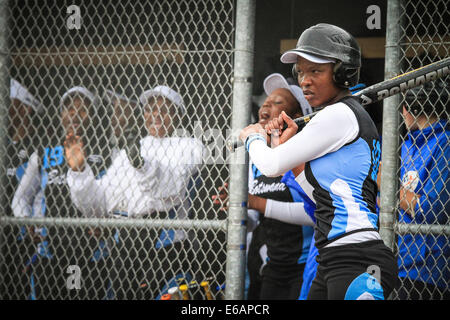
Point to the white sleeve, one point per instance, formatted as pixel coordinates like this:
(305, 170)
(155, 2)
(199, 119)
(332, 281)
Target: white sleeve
(86, 192)
(28, 188)
(170, 177)
(327, 132)
(289, 212)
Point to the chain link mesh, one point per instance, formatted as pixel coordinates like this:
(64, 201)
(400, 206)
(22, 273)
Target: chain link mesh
(158, 231)
(424, 156)
(116, 52)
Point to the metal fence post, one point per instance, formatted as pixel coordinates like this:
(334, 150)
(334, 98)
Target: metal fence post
(242, 91)
(4, 98)
(390, 134)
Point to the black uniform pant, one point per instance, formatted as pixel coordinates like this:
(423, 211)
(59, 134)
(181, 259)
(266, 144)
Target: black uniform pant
(269, 281)
(366, 270)
(282, 284)
(255, 264)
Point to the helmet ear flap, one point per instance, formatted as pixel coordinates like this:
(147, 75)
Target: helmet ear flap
(344, 75)
(338, 77)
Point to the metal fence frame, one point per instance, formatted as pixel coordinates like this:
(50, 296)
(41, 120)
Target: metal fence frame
(4, 99)
(235, 225)
(242, 95)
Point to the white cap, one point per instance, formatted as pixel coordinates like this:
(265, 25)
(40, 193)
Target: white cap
(164, 91)
(292, 55)
(17, 91)
(277, 81)
(114, 95)
(82, 90)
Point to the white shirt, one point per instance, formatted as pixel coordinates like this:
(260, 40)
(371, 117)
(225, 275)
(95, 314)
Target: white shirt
(160, 185)
(27, 201)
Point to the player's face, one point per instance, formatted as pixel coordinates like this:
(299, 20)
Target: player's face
(159, 114)
(316, 81)
(75, 116)
(19, 115)
(279, 100)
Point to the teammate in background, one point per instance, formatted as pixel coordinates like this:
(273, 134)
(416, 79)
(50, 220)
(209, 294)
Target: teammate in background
(46, 173)
(24, 107)
(156, 188)
(340, 153)
(280, 242)
(424, 193)
(23, 113)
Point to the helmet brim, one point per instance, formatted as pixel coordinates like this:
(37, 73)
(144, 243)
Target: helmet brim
(291, 56)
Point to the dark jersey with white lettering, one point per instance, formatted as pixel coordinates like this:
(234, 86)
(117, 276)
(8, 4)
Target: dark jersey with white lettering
(287, 244)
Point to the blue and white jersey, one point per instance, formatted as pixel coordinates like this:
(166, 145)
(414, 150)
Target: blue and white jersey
(344, 183)
(341, 151)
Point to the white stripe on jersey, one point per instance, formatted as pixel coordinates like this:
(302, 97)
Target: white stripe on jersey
(306, 186)
(356, 218)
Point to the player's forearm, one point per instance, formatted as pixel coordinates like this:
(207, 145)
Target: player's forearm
(331, 129)
(289, 212)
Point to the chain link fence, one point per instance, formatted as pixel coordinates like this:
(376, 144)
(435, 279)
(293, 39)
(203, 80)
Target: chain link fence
(422, 207)
(95, 206)
(109, 154)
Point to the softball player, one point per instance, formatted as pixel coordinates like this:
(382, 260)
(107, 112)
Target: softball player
(284, 228)
(340, 151)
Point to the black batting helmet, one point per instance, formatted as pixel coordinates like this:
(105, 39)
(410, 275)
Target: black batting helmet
(330, 42)
(430, 99)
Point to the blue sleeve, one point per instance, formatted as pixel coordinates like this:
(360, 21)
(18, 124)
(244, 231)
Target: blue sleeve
(309, 273)
(299, 194)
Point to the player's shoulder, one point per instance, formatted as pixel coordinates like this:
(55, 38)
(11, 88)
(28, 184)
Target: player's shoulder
(342, 105)
(336, 112)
